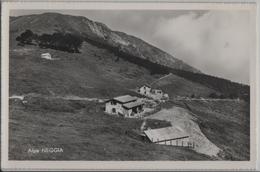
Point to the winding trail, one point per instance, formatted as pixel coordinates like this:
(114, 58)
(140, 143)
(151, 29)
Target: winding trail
(161, 78)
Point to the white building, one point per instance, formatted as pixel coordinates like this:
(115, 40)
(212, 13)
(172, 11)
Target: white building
(46, 56)
(145, 90)
(172, 136)
(126, 106)
(155, 94)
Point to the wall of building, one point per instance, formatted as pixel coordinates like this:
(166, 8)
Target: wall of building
(185, 142)
(127, 112)
(145, 90)
(118, 108)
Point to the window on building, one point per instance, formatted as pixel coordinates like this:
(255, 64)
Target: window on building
(113, 110)
(134, 110)
(113, 102)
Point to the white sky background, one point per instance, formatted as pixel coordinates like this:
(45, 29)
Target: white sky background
(215, 42)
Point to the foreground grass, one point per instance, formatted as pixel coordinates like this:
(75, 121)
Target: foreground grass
(83, 132)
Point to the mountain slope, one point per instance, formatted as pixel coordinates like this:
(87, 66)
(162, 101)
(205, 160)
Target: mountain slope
(124, 47)
(95, 72)
(95, 32)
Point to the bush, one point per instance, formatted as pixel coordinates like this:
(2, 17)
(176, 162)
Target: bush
(27, 37)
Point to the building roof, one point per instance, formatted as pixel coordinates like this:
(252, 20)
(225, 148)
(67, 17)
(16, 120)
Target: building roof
(157, 90)
(132, 104)
(46, 54)
(125, 99)
(147, 85)
(168, 133)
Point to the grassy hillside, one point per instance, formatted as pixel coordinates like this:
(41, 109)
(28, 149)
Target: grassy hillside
(225, 123)
(92, 73)
(95, 72)
(84, 132)
(178, 86)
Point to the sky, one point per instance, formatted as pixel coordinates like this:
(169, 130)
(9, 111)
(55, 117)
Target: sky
(216, 42)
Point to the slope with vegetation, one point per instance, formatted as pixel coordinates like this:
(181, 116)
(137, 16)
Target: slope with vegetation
(83, 132)
(225, 123)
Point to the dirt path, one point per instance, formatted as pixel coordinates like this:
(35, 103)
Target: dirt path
(70, 97)
(161, 78)
(184, 120)
(204, 99)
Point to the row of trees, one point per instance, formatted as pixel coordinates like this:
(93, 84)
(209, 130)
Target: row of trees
(59, 41)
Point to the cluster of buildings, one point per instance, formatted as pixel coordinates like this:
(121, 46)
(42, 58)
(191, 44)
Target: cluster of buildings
(132, 107)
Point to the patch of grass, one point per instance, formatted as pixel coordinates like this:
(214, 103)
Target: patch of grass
(177, 86)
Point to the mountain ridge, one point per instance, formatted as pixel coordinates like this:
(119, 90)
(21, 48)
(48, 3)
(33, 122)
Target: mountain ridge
(98, 32)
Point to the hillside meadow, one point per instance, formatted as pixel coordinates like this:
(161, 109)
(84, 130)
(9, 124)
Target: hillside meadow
(84, 132)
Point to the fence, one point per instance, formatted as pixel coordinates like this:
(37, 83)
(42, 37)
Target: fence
(182, 142)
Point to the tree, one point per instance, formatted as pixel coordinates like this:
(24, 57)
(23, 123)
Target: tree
(27, 37)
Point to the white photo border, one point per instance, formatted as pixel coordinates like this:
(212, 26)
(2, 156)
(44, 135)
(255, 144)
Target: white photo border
(129, 165)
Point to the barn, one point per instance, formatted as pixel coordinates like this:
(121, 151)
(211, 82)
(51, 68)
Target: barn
(173, 136)
(126, 106)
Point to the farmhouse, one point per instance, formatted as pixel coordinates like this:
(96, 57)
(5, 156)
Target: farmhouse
(173, 136)
(126, 106)
(155, 94)
(145, 90)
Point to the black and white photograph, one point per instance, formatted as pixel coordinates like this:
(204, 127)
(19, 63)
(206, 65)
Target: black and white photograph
(131, 84)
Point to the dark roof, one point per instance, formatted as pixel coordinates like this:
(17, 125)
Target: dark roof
(125, 99)
(132, 104)
(167, 133)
